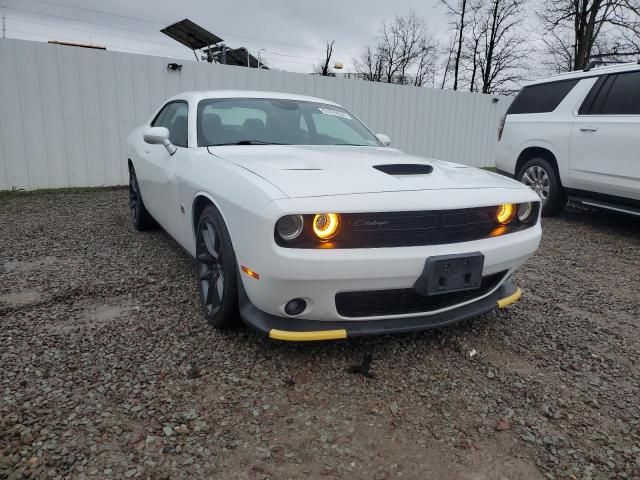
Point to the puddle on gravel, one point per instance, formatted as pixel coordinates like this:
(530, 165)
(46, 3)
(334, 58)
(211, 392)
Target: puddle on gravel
(24, 266)
(24, 297)
(91, 315)
(103, 313)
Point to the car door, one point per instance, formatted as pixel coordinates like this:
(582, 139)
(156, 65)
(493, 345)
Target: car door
(605, 139)
(158, 179)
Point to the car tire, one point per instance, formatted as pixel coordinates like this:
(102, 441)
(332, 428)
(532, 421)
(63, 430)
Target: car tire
(216, 271)
(140, 217)
(539, 175)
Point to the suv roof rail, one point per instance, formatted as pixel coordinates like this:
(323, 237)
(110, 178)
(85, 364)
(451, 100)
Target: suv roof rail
(597, 63)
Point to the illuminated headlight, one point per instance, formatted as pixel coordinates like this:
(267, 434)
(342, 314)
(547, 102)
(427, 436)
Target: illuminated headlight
(326, 225)
(524, 211)
(290, 227)
(506, 213)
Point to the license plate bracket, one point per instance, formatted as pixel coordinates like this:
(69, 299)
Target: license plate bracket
(450, 273)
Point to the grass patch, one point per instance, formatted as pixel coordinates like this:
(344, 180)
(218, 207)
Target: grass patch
(49, 191)
(490, 169)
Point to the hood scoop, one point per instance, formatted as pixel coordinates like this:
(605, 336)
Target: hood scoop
(399, 169)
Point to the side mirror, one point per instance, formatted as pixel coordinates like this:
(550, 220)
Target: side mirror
(159, 136)
(384, 139)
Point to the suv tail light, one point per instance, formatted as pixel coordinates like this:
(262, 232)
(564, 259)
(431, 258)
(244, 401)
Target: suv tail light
(501, 126)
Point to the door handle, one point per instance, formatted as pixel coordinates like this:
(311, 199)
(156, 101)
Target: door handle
(588, 129)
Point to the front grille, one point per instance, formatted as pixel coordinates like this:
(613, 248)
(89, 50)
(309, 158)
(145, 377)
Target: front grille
(410, 228)
(403, 301)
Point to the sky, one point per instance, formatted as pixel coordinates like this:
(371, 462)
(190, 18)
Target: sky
(289, 34)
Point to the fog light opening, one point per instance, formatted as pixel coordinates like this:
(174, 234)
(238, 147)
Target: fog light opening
(295, 307)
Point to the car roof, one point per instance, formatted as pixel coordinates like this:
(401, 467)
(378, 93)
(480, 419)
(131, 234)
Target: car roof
(595, 71)
(197, 95)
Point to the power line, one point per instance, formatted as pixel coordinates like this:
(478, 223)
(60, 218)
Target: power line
(98, 11)
(157, 43)
(277, 43)
(125, 50)
(293, 61)
(84, 21)
(291, 56)
(128, 17)
(28, 22)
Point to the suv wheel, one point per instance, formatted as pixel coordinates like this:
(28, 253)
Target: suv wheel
(539, 175)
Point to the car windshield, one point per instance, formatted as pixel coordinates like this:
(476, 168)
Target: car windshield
(269, 121)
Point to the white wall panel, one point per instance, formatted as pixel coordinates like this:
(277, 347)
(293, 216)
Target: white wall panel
(65, 112)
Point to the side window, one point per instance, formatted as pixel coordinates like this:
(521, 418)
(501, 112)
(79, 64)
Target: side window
(624, 96)
(541, 98)
(602, 85)
(174, 117)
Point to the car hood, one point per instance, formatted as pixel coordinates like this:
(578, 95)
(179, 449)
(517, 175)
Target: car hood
(312, 171)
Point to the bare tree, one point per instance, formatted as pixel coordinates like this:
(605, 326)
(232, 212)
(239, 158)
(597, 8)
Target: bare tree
(426, 65)
(404, 53)
(324, 68)
(478, 26)
(447, 66)
(559, 54)
(627, 23)
(486, 53)
(369, 64)
(502, 44)
(457, 11)
(577, 31)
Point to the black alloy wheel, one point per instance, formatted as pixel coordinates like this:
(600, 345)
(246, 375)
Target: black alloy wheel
(140, 217)
(216, 271)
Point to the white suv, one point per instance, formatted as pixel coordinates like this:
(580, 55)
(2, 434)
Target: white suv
(577, 136)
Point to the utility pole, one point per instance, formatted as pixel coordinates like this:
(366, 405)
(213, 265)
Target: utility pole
(4, 25)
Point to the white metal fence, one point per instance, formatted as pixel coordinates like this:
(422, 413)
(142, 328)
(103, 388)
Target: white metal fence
(65, 112)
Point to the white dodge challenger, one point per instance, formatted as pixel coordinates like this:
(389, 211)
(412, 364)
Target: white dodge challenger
(307, 226)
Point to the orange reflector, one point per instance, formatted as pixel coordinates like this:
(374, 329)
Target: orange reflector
(250, 272)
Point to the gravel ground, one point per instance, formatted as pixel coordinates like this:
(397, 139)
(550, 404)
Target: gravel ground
(108, 369)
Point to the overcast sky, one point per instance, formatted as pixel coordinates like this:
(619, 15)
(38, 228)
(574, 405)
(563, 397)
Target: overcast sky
(291, 32)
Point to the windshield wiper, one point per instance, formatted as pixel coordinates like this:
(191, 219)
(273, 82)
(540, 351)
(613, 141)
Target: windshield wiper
(248, 142)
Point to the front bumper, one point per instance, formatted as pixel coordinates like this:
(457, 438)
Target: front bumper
(317, 276)
(298, 329)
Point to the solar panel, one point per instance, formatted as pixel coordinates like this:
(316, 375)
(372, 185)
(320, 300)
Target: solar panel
(242, 58)
(191, 35)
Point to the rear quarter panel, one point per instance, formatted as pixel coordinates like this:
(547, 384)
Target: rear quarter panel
(551, 131)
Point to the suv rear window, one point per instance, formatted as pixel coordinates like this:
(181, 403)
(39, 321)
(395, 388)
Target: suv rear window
(541, 98)
(614, 94)
(624, 96)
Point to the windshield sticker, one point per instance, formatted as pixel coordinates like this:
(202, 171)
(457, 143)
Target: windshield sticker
(335, 113)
